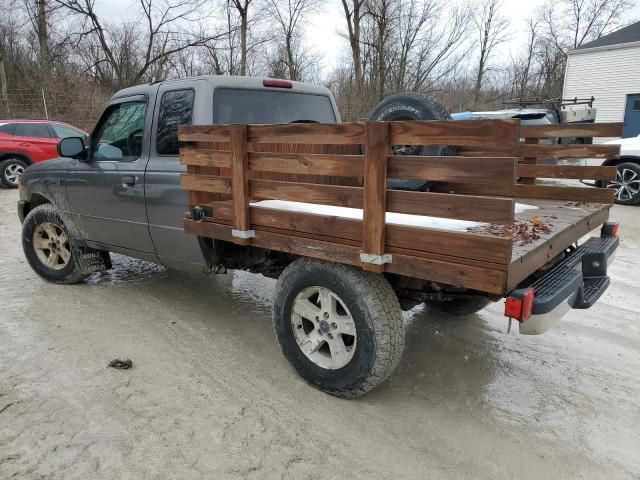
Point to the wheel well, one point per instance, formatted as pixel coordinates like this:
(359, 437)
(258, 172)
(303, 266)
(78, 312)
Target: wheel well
(35, 201)
(618, 161)
(21, 156)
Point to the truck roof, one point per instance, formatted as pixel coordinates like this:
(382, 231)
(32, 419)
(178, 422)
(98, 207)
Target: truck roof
(229, 81)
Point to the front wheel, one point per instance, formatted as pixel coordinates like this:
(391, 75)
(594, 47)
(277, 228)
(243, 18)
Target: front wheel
(49, 247)
(11, 170)
(338, 326)
(627, 184)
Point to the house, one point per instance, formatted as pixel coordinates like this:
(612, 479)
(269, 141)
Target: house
(609, 70)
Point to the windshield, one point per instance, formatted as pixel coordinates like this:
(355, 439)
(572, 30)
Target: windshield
(267, 106)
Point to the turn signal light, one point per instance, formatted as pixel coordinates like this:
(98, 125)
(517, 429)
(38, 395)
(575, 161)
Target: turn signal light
(277, 83)
(519, 304)
(609, 229)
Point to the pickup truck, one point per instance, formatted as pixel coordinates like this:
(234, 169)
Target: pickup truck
(133, 189)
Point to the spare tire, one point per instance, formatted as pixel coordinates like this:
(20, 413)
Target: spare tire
(412, 106)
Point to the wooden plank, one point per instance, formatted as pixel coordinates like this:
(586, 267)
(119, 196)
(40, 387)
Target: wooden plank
(454, 169)
(457, 274)
(470, 246)
(203, 133)
(529, 160)
(309, 133)
(205, 157)
(570, 151)
(459, 207)
(375, 191)
(571, 130)
(523, 266)
(567, 171)
(307, 163)
(205, 183)
(449, 132)
(543, 192)
(240, 182)
(306, 192)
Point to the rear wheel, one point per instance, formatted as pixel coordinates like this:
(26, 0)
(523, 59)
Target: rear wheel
(338, 326)
(627, 184)
(11, 169)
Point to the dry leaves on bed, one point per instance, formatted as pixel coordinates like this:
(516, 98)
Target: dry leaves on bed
(523, 232)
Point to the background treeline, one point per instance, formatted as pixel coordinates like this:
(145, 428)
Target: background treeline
(65, 54)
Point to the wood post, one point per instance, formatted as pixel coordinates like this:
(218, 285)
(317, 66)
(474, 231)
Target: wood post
(241, 232)
(529, 161)
(373, 255)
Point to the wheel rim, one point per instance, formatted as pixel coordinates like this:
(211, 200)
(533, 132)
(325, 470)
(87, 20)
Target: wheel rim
(323, 328)
(12, 173)
(51, 245)
(626, 184)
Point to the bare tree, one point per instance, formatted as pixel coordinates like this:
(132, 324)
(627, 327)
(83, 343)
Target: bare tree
(491, 28)
(242, 7)
(354, 12)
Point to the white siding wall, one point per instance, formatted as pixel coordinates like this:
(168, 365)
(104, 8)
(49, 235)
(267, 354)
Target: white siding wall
(608, 75)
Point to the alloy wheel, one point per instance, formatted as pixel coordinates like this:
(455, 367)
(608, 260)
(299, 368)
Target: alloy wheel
(51, 245)
(12, 173)
(626, 184)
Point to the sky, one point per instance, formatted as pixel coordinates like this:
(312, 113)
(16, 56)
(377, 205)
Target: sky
(323, 31)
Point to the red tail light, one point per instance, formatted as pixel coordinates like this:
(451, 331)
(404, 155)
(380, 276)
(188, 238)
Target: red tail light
(277, 83)
(519, 304)
(609, 229)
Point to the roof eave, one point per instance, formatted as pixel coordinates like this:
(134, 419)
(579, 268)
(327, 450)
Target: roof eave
(614, 46)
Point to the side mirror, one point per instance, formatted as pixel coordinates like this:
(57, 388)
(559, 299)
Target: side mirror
(72, 147)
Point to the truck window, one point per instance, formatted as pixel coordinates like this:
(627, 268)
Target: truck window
(176, 108)
(266, 106)
(119, 136)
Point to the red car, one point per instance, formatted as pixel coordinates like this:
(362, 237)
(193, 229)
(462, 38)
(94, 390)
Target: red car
(24, 142)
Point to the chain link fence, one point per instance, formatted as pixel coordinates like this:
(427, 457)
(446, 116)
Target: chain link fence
(76, 108)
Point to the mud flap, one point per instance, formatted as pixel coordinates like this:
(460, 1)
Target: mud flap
(92, 261)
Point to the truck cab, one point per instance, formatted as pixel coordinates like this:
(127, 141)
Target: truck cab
(122, 192)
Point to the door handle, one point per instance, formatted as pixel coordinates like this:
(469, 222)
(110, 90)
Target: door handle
(129, 180)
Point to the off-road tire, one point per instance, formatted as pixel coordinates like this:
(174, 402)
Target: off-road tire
(73, 271)
(376, 313)
(460, 306)
(412, 106)
(4, 164)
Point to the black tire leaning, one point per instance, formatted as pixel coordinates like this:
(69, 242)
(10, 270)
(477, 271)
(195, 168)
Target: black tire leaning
(72, 272)
(460, 306)
(412, 106)
(5, 164)
(376, 313)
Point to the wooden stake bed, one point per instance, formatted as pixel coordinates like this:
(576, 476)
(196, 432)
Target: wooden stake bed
(230, 167)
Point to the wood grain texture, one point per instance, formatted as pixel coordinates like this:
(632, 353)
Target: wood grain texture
(307, 192)
(444, 205)
(203, 133)
(542, 192)
(484, 249)
(567, 171)
(375, 190)
(307, 163)
(454, 169)
(205, 157)
(456, 274)
(570, 130)
(240, 181)
(309, 133)
(205, 183)
(449, 132)
(570, 151)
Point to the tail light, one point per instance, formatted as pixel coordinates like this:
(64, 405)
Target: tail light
(609, 229)
(519, 304)
(277, 83)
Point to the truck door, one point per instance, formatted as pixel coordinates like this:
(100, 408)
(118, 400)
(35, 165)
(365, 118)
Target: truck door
(106, 192)
(632, 117)
(177, 103)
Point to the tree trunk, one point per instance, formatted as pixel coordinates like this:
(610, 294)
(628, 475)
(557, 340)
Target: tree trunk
(243, 42)
(43, 37)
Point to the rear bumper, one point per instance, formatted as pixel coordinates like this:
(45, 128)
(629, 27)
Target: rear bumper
(576, 282)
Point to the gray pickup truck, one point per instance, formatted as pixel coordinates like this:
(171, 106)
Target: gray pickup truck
(122, 194)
